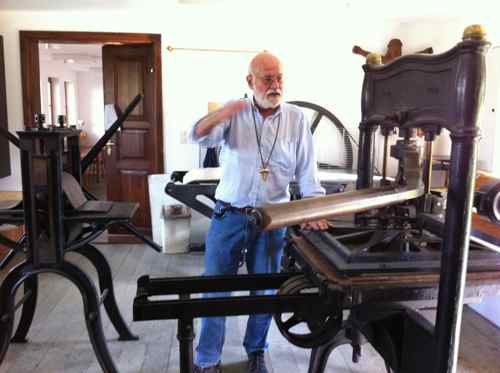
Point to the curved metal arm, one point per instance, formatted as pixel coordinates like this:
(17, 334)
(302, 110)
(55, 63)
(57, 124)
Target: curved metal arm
(96, 149)
(9, 136)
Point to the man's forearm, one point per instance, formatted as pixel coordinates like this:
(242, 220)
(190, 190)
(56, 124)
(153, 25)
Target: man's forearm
(208, 122)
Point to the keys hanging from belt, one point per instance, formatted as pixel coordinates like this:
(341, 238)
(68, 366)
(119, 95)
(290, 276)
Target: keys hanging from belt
(250, 237)
(243, 257)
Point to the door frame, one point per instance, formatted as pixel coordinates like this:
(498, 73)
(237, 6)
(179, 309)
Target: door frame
(30, 70)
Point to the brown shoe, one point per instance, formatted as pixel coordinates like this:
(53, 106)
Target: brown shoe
(211, 369)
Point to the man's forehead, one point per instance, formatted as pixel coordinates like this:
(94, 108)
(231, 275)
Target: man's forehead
(270, 72)
(270, 69)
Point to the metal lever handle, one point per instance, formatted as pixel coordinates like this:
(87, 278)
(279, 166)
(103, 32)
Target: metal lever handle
(109, 147)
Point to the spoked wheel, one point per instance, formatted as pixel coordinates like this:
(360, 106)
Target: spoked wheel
(307, 328)
(334, 130)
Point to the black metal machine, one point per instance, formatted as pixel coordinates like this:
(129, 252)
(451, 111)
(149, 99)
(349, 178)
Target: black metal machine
(59, 217)
(401, 240)
(11, 212)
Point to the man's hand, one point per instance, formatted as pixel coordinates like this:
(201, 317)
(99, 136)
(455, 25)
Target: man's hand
(232, 108)
(316, 225)
(358, 50)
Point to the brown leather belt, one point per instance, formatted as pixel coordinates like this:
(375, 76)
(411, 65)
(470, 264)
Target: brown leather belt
(232, 208)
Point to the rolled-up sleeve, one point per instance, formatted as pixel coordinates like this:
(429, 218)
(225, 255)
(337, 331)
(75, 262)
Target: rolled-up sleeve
(306, 171)
(216, 136)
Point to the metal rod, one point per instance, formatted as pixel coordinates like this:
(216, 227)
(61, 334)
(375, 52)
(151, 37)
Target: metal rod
(365, 150)
(132, 229)
(171, 49)
(9, 136)
(99, 145)
(295, 212)
(454, 255)
(23, 300)
(185, 335)
(7, 258)
(384, 160)
(103, 296)
(455, 249)
(428, 167)
(6, 316)
(201, 284)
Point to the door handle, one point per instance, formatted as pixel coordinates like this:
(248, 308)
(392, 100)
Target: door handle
(109, 147)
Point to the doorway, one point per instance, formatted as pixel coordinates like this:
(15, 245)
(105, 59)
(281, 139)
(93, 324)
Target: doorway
(134, 152)
(71, 92)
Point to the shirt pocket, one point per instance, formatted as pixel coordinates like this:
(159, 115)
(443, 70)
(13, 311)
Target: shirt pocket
(283, 159)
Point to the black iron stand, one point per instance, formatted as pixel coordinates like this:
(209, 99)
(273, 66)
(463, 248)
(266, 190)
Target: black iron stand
(319, 355)
(43, 153)
(403, 338)
(185, 335)
(28, 272)
(185, 308)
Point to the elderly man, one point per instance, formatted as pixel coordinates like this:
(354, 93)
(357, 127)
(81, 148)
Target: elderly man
(265, 144)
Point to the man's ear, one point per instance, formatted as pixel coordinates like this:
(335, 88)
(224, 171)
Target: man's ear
(250, 81)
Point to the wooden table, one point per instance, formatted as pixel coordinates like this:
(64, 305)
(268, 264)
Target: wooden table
(10, 231)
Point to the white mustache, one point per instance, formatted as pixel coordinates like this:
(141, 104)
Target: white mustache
(273, 92)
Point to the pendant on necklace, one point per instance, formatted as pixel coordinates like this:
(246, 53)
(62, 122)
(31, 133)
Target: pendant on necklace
(264, 172)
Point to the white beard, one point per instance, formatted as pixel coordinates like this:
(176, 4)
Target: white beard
(265, 103)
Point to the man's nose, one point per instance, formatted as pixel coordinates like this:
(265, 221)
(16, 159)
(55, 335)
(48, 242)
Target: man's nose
(275, 83)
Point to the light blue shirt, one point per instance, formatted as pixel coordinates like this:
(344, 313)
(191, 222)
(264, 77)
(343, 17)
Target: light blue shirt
(292, 158)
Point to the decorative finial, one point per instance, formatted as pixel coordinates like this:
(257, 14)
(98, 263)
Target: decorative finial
(374, 59)
(474, 32)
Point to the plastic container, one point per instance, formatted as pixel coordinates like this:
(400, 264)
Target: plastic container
(157, 200)
(176, 229)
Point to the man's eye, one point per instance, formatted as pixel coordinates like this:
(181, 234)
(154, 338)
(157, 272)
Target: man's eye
(270, 79)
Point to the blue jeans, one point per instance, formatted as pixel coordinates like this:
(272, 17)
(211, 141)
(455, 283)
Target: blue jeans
(228, 234)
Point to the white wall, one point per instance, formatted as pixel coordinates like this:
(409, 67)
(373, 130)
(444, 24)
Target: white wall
(60, 70)
(490, 132)
(88, 93)
(91, 104)
(314, 38)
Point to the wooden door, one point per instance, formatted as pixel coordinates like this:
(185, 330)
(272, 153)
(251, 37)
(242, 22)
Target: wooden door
(4, 143)
(131, 156)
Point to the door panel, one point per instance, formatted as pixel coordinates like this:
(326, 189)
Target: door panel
(4, 143)
(135, 186)
(127, 71)
(134, 141)
(130, 76)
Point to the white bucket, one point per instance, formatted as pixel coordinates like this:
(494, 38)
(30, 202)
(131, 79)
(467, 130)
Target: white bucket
(176, 229)
(157, 200)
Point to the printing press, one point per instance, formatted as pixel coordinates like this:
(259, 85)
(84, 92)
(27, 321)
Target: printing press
(394, 246)
(59, 216)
